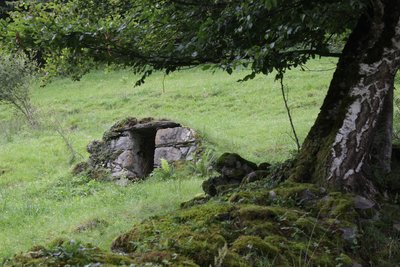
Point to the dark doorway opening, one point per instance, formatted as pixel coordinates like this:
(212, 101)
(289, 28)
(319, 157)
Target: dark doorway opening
(143, 152)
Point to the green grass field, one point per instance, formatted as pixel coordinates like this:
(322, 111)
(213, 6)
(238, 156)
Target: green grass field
(41, 201)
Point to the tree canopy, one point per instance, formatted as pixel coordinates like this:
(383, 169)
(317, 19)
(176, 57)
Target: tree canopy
(171, 34)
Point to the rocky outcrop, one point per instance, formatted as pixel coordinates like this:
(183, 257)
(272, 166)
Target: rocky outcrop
(234, 167)
(234, 170)
(132, 148)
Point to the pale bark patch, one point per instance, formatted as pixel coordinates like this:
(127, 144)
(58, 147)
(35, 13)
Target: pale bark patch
(349, 147)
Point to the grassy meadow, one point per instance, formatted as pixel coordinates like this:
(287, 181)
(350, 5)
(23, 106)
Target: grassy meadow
(41, 201)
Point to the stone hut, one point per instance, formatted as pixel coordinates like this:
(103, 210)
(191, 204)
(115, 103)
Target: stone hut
(132, 148)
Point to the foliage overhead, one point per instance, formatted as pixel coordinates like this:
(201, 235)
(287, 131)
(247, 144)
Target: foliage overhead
(75, 35)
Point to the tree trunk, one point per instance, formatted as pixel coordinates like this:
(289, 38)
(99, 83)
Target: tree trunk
(352, 133)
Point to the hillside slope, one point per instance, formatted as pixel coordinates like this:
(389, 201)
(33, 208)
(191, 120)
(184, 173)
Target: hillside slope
(41, 201)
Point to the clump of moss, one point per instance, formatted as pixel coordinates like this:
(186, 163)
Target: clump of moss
(337, 205)
(279, 232)
(119, 127)
(195, 201)
(260, 197)
(261, 229)
(231, 259)
(256, 212)
(248, 244)
(68, 253)
(193, 232)
(382, 237)
(290, 189)
(162, 258)
(94, 167)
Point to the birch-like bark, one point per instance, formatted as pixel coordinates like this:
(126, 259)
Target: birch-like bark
(347, 137)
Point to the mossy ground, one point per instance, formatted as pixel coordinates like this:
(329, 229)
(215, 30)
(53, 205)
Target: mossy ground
(258, 224)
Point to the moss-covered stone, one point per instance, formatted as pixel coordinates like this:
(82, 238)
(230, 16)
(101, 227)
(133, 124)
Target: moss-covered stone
(68, 253)
(162, 258)
(255, 212)
(260, 197)
(198, 200)
(120, 126)
(233, 259)
(233, 166)
(337, 205)
(261, 228)
(309, 225)
(381, 235)
(255, 176)
(187, 230)
(249, 244)
(289, 189)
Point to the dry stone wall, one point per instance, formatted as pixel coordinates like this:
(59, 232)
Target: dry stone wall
(174, 144)
(132, 148)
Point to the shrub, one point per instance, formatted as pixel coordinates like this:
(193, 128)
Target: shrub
(17, 73)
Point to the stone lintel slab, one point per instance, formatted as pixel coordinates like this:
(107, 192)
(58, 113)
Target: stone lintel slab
(153, 125)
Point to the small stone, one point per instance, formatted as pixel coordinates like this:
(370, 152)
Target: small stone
(322, 190)
(349, 234)
(255, 176)
(362, 203)
(306, 195)
(272, 194)
(191, 152)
